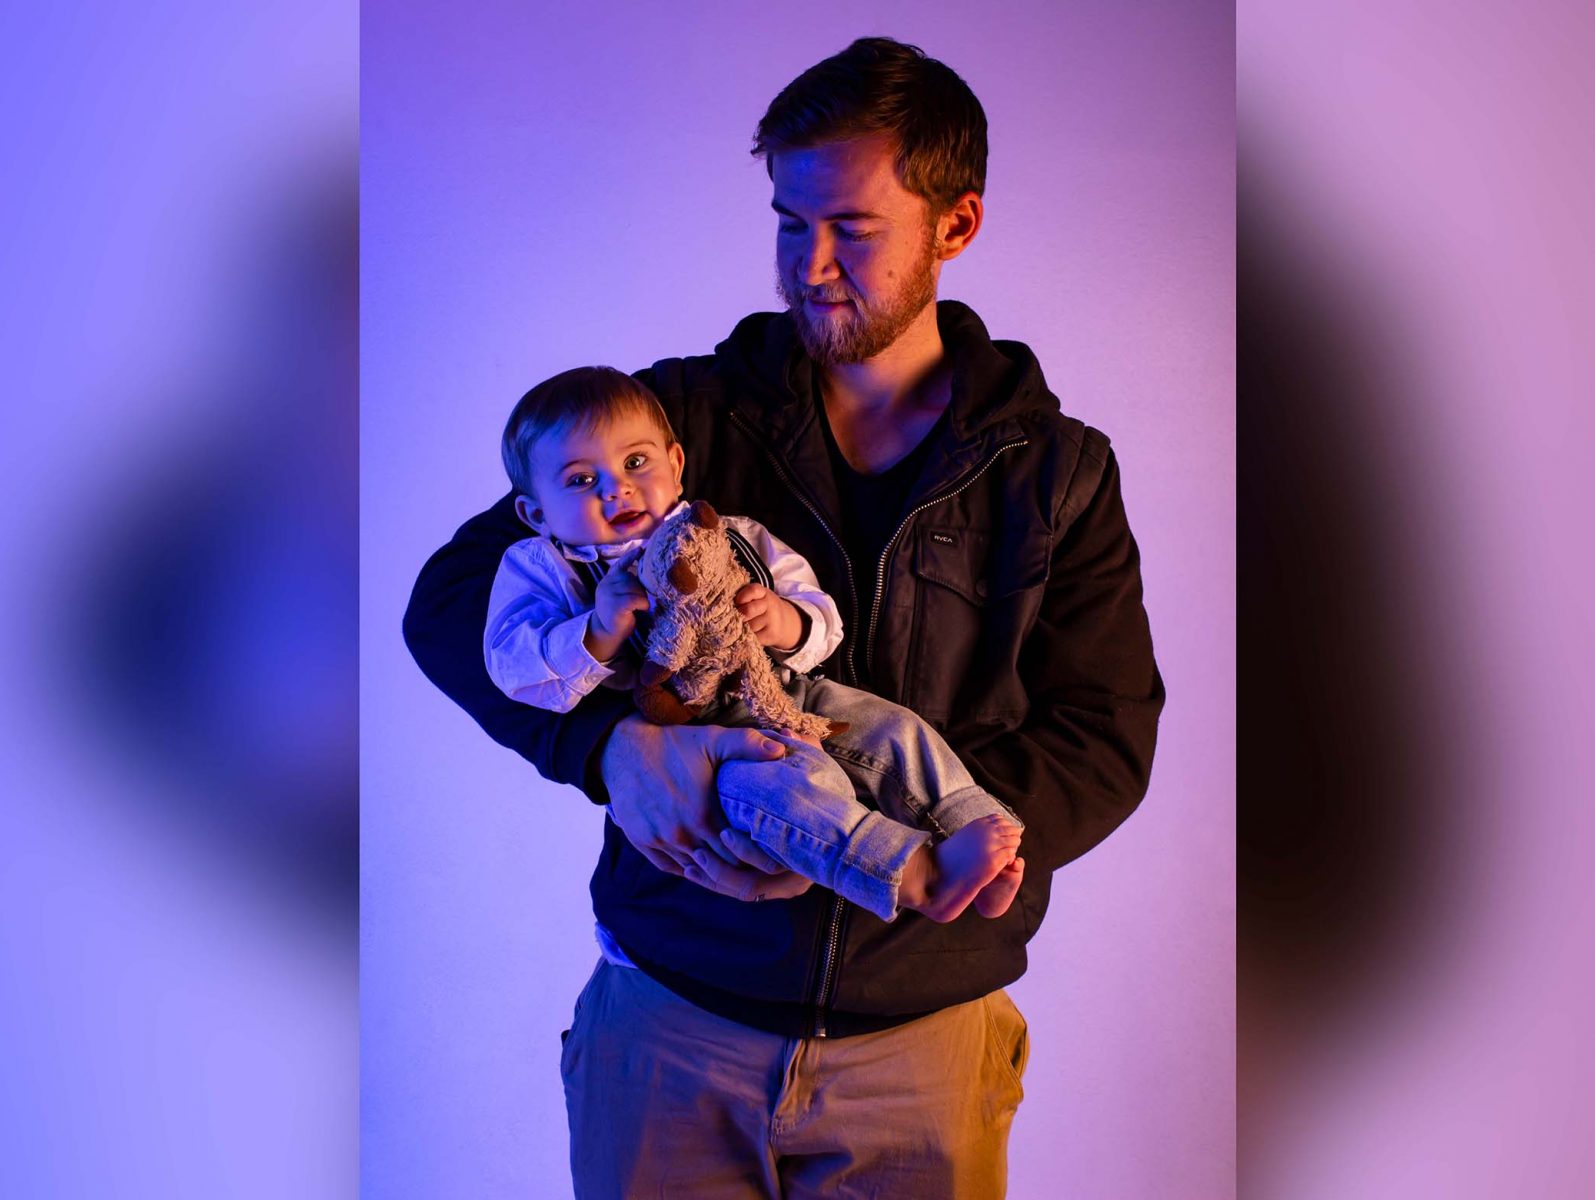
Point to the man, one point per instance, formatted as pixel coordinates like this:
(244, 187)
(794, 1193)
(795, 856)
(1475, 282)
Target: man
(977, 544)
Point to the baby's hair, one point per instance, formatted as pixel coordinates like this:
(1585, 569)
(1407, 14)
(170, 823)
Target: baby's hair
(580, 399)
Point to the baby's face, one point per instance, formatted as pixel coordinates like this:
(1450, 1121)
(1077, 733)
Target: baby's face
(610, 484)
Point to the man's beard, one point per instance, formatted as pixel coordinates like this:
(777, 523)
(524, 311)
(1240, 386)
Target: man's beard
(866, 331)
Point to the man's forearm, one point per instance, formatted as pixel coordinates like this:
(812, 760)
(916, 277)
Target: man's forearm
(443, 630)
(1080, 762)
(1073, 775)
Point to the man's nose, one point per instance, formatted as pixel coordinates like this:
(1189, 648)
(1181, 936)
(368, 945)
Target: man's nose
(818, 264)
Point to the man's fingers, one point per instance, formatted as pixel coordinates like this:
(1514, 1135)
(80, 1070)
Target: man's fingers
(784, 887)
(681, 855)
(745, 744)
(750, 852)
(709, 872)
(705, 879)
(723, 852)
(676, 853)
(690, 845)
(742, 883)
(661, 860)
(684, 842)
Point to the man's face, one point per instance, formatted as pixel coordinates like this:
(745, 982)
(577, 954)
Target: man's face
(855, 251)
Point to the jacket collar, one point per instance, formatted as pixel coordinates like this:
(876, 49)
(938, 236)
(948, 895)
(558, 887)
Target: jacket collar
(993, 384)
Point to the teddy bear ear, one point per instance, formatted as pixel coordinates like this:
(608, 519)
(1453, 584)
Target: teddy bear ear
(681, 578)
(703, 514)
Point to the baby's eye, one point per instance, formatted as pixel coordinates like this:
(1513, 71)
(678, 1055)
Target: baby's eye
(635, 461)
(579, 480)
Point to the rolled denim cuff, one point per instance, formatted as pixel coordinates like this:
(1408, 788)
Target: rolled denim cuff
(802, 810)
(952, 812)
(873, 862)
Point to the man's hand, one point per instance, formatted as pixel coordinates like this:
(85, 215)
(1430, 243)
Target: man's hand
(617, 600)
(662, 794)
(767, 882)
(777, 623)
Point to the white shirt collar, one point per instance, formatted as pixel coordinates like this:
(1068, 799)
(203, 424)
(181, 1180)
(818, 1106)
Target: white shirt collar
(609, 550)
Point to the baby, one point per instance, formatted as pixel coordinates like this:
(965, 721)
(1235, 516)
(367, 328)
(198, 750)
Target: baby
(597, 468)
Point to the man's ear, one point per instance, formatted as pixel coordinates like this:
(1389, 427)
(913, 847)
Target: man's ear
(526, 509)
(957, 227)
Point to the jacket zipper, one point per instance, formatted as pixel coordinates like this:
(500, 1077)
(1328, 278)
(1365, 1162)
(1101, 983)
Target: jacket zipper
(833, 936)
(834, 915)
(880, 570)
(822, 998)
(847, 565)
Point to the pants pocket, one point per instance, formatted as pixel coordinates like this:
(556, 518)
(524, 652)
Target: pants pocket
(568, 1045)
(1010, 1040)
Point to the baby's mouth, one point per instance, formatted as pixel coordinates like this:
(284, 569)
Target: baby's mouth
(628, 519)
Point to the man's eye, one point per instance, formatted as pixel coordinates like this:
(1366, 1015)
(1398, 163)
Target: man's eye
(789, 227)
(636, 461)
(857, 235)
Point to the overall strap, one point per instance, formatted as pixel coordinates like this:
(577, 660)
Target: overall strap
(750, 559)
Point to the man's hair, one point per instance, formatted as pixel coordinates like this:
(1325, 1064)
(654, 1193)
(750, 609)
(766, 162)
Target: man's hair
(580, 399)
(878, 85)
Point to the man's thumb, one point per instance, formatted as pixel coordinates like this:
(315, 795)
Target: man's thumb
(754, 744)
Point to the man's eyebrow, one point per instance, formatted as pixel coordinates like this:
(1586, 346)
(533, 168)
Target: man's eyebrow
(851, 215)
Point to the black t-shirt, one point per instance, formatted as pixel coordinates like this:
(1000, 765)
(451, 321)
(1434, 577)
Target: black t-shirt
(872, 508)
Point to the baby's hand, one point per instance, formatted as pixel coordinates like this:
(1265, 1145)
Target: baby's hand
(618, 599)
(776, 622)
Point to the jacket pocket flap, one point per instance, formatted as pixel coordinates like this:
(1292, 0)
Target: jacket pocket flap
(954, 558)
(970, 563)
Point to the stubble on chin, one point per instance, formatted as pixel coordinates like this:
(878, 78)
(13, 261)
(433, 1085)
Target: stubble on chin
(865, 332)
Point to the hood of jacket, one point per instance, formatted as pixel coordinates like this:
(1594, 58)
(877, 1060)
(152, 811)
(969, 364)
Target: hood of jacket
(994, 383)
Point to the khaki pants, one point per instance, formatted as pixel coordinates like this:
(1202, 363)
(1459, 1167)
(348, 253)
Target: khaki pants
(666, 1100)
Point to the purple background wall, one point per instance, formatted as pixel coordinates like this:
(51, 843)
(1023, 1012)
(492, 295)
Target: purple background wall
(543, 188)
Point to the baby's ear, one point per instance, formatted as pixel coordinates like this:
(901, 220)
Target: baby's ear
(526, 509)
(681, 577)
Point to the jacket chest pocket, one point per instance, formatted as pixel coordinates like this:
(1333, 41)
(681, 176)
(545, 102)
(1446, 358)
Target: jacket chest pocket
(977, 593)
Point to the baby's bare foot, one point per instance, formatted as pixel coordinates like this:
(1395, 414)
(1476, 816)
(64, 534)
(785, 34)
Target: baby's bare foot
(941, 882)
(993, 899)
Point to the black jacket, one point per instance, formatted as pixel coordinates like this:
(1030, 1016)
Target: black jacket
(1009, 616)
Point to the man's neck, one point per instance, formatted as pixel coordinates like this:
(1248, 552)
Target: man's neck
(880, 409)
(895, 380)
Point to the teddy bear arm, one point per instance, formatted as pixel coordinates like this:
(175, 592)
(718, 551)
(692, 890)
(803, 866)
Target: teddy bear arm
(671, 642)
(772, 708)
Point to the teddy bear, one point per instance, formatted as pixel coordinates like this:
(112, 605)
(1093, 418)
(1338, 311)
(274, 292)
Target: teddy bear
(700, 645)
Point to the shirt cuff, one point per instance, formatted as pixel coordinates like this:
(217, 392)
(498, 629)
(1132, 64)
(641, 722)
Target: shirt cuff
(569, 657)
(805, 655)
